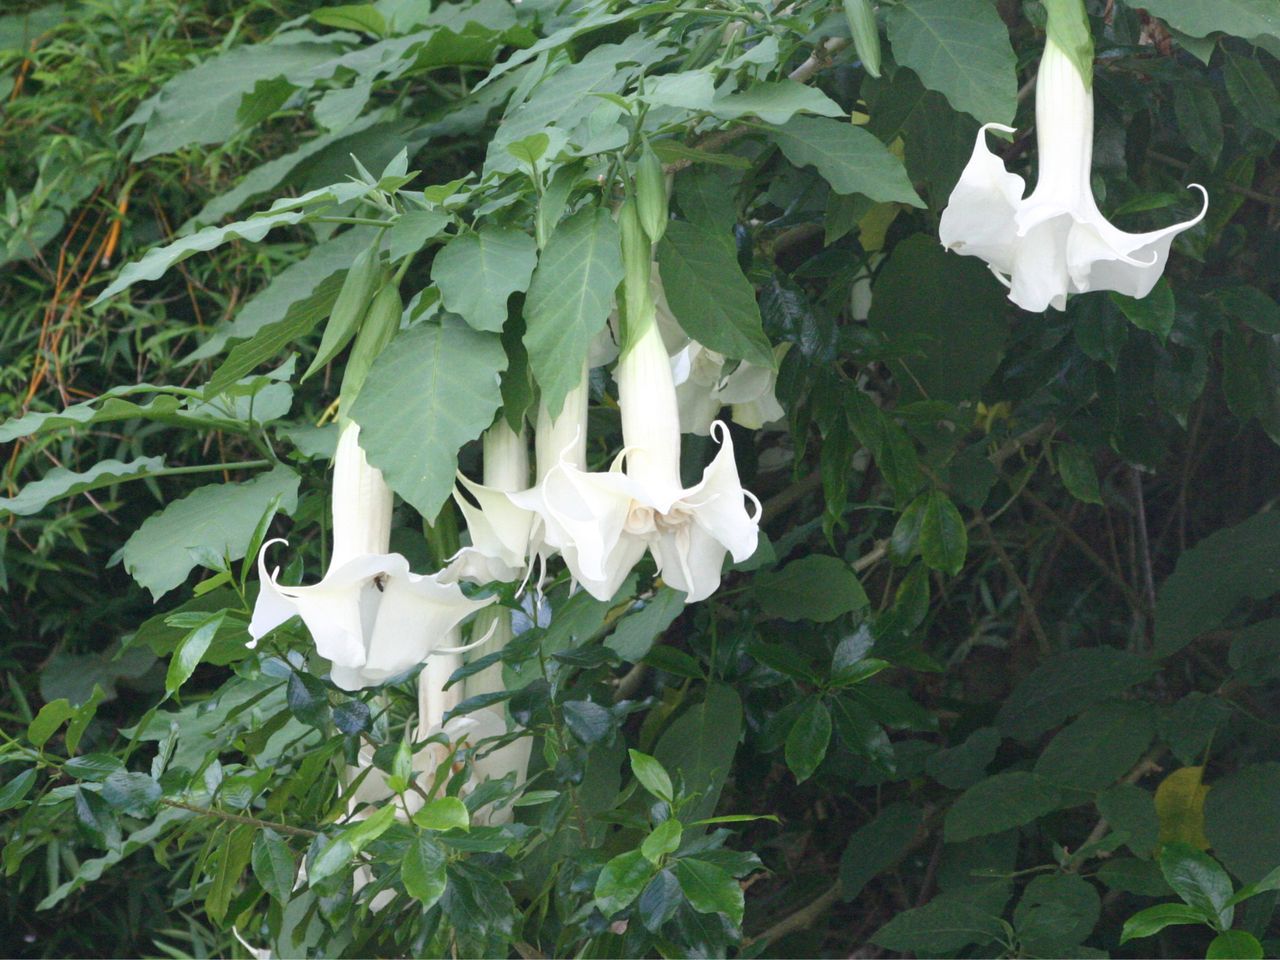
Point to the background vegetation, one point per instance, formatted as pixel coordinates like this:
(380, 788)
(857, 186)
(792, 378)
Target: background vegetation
(1005, 673)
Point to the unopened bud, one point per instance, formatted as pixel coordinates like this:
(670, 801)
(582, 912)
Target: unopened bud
(866, 35)
(651, 194)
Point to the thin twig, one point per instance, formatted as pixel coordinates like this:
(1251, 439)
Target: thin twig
(238, 818)
(1144, 542)
(1028, 605)
(802, 919)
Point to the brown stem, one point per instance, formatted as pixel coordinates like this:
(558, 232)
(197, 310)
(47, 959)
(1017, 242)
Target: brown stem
(238, 818)
(1028, 605)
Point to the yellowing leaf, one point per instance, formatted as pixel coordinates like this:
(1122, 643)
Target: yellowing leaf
(1180, 807)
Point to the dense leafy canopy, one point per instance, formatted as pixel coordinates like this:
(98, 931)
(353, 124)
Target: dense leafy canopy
(999, 678)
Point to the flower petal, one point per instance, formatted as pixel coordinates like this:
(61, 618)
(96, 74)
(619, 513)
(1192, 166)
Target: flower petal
(718, 502)
(979, 218)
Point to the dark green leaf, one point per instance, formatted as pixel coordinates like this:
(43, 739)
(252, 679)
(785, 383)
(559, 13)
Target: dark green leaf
(274, 865)
(700, 745)
(589, 722)
(1153, 313)
(944, 542)
(621, 881)
(710, 889)
(808, 739)
(1149, 922)
(15, 790)
(1099, 748)
(659, 900)
(999, 803)
(877, 846)
(1198, 879)
(1066, 684)
(1234, 945)
(847, 157)
(423, 870)
(635, 633)
(817, 588)
(135, 794)
(945, 924)
(1056, 912)
(1239, 820)
(190, 651)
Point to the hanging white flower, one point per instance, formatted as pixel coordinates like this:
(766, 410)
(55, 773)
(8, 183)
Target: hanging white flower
(370, 615)
(500, 531)
(703, 388)
(1055, 241)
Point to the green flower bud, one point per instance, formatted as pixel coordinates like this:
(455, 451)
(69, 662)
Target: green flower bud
(866, 36)
(637, 261)
(651, 194)
(380, 325)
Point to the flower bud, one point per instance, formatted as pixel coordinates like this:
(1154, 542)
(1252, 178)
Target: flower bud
(651, 194)
(866, 35)
(637, 261)
(380, 325)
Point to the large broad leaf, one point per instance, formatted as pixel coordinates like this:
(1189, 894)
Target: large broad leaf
(848, 157)
(200, 105)
(946, 313)
(1100, 747)
(878, 845)
(961, 49)
(709, 295)
(943, 925)
(1240, 820)
(1252, 91)
(699, 747)
(1066, 684)
(432, 390)
(817, 588)
(1240, 18)
(283, 212)
(311, 283)
(477, 272)
(220, 517)
(776, 102)
(61, 482)
(569, 300)
(999, 803)
(1238, 563)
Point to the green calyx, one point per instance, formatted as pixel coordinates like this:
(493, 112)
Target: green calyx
(1069, 29)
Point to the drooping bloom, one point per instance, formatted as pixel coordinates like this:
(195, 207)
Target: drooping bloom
(602, 523)
(499, 529)
(702, 388)
(1055, 241)
(370, 615)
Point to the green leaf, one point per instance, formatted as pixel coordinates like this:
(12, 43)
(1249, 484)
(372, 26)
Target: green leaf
(423, 871)
(334, 858)
(80, 720)
(15, 790)
(776, 102)
(818, 588)
(877, 846)
(1149, 922)
(478, 271)
(219, 517)
(60, 483)
(944, 315)
(1075, 467)
(362, 17)
(1267, 884)
(964, 765)
(1249, 305)
(367, 829)
(621, 881)
(588, 722)
(443, 813)
(709, 888)
(352, 302)
(1252, 91)
(961, 49)
(199, 106)
(661, 897)
(1213, 577)
(1234, 945)
(1099, 748)
(807, 742)
(132, 793)
(1153, 313)
(412, 230)
(274, 865)
(190, 651)
(157, 260)
(46, 723)
(664, 839)
(652, 776)
(1141, 877)
(1239, 820)
(946, 923)
(848, 157)
(944, 542)
(635, 633)
(1064, 685)
(1199, 119)
(1056, 912)
(569, 300)
(1068, 27)
(1198, 879)
(92, 766)
(699, 748)
(233, 857)
(708, 294)
(440, 387)
(998, 803)
(1240, 18)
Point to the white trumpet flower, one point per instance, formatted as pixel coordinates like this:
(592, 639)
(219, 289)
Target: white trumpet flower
(500, 530)
(370, 615)
(1055, 241)
(603, 523)
(702, 388)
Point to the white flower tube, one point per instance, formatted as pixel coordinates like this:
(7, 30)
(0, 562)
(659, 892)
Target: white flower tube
(1056, 241)
(369, 615)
